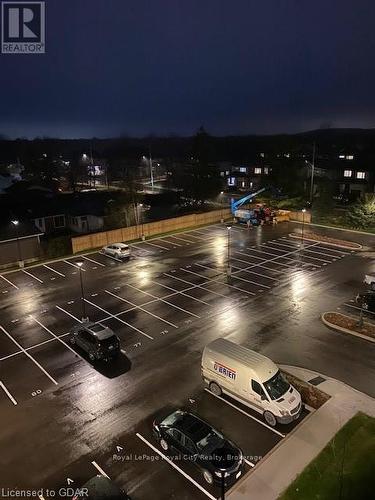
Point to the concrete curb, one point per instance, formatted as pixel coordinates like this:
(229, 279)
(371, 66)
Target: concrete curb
(335, 227)
(344, 330)
(359, 247)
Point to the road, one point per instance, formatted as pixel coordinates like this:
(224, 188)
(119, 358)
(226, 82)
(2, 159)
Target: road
(63, 419)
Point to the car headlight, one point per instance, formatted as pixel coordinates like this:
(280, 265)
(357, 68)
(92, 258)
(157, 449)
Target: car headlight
(217, 473)
(284, 412)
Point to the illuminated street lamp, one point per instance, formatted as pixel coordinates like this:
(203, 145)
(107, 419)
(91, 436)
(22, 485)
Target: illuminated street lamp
(303, 225)
(151, 172)
(140, 216)
(229, 268)
(85, 318)
(221, 201)
(15, 223)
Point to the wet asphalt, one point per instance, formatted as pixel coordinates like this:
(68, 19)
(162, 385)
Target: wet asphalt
(64, 420)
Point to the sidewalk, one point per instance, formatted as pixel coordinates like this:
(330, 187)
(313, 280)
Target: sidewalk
(281, 466)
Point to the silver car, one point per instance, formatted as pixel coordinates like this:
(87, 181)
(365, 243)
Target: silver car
(117, 250)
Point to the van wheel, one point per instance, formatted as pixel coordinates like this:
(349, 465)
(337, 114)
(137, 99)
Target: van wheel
(215, 389)
(164, 444)
(270, 418)
(208, 477)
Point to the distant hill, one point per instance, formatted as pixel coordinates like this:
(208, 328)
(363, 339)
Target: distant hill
(223, 148)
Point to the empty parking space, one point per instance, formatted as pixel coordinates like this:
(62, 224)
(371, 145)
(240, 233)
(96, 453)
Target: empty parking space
(151, 302)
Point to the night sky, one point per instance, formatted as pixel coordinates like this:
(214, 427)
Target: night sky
(163, 67)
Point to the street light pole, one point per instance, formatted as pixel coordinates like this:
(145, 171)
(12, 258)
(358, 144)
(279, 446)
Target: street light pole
(151, 174)
(222, 496)
(303, 226)
(16, 224)
(229, 269)
(85, 318)
(141, 221)
(222, 212)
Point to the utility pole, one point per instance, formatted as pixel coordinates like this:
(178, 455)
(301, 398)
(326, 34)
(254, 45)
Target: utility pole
(303, 227)
(85, 318)
(229, 269)
(151, 174)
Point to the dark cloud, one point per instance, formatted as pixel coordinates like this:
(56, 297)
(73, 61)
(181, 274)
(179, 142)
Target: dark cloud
(162, 66)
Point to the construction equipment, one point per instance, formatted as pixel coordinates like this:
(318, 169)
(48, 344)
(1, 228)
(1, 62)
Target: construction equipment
(244, 215)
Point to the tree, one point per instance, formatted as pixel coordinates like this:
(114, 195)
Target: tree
(199, 180)
(361, 215)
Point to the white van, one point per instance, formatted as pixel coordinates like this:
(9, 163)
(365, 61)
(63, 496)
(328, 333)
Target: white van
(251, 379)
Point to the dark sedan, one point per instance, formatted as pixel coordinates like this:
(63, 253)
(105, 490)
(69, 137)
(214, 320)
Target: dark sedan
(367, 300)
(195, 440)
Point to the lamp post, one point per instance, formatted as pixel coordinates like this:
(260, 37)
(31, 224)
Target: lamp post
(15, 223)
(140, 205)
(229, 269)
(85, 318)
(222, 496)
(303, 226)
(151, 171)
(221, 202)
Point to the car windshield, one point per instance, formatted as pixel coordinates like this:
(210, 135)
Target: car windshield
(96, 328)
(276, 386)
(211, 440)
(108, 341)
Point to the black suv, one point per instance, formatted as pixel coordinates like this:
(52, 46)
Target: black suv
(99, 342)
(367, 300)
(195, 440)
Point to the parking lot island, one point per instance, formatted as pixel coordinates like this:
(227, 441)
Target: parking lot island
(271, 477)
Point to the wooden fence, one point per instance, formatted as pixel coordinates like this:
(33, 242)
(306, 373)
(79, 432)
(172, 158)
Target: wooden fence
(97, 240)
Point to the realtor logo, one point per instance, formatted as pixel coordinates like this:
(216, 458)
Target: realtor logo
(23, 27)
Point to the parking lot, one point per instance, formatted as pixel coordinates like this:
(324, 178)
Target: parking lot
(170, 284)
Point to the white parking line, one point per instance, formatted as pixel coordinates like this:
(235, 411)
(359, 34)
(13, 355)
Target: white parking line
(237, 277)
(53, 270)
(10, 283)
(278, 257)
(262, 265)
(94, 261)
(155, 245)
(254, 272)
(35, 278)
(250, 464)
(170, 242)
(118, 319)
(109, 257)
(99, 469)
(170, 462)
(365, 311)
(181, 292)
(181, 239)
(28, 355)
(74, 265)
(310, 251)
(193, 285)
(303, 253)
(56, 337)
(163, 300)
(69, 314)
(8, 393)
(245, 413)
(141, 308)
(218, 281)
